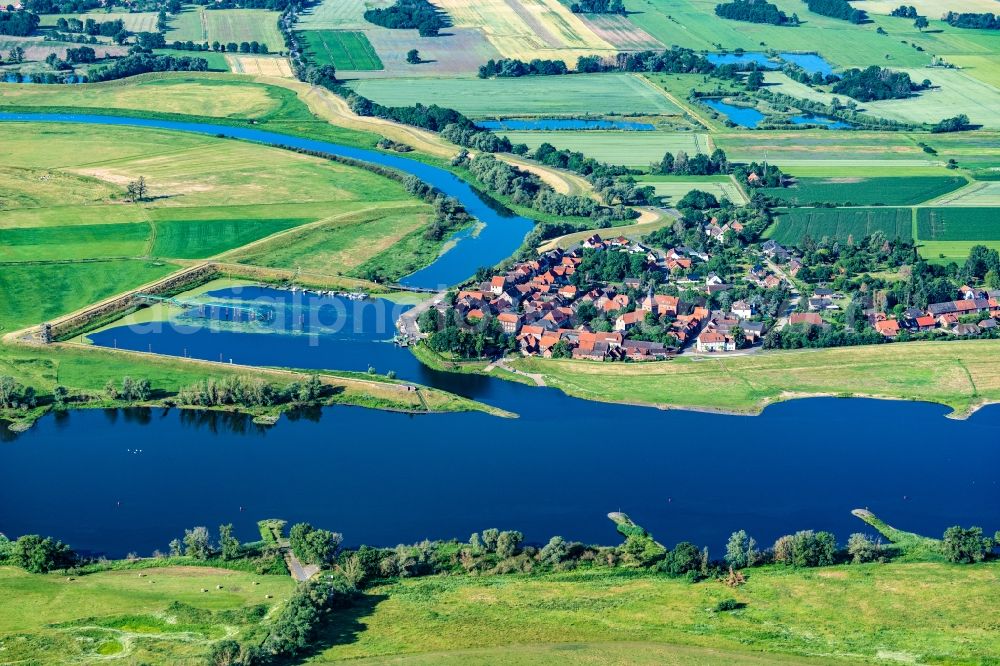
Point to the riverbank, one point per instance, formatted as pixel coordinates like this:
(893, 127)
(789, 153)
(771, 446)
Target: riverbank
(963, 375)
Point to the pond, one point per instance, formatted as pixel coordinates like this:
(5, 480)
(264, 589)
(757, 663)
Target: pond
(517, 124)
(117, 481)
(496, 239)
(741, 115)
(810, 62)
(825, 121)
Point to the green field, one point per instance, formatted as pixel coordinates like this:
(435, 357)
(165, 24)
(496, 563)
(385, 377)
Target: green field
(634, 149)
(824, 616)
(199, 25)
(673, 188)
(840, 223)
(958, 224)
(197, 239)
(134, 21)
(216, 60)
(977, 194)
(344, 49)
(958, 374)
(82, 241)
(866, 191)
(954, 92)
(573, 95)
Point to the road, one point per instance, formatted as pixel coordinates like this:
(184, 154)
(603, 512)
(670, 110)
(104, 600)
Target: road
(793, 298)
(407, 322)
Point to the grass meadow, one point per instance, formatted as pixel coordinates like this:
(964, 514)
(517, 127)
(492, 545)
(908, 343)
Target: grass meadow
(673, 188)
(574, 95)
(344, 49)
(840, 223)
(954, 92)
(866, 191)
(960, 374)
(634, 149)
(216, 61)
(118, 615)
(926, 611)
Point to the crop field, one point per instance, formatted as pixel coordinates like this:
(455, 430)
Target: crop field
(674, 188)
(82, 241)
(572, 95)
(863, 191)
(344, 49)
(634, 149)
(621, 32)
(958, 224)
(929, 8)
(203, 95)
(227, 25)
(527, 29)
(257, 65)
(957, 93)
(840, 224)
(337, 15)
(978, 194)
(986, 67)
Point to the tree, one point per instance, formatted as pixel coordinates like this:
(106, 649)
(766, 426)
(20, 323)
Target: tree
(60, 394)
(921, 23)
(863, 548)
(40, 555)
(965, 546)
(10, 391)
(741, 550)
(508, 542)
(228, 544)
(197, 543)
(490, 537)
(353, 571)
(413, 57)
(314, 546)
(176, 548)
(684, 558)
(137, 190)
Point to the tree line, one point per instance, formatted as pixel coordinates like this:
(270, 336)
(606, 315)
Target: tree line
(875, 83)
(513, 68)
(141, 63)
(598, 7)
(18, 24)
(985, 21)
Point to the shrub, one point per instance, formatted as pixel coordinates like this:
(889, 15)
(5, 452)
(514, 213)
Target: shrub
(965, 546)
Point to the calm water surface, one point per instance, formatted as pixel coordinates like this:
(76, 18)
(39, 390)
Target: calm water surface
(743, 116)
(130, 480)
(810, 62)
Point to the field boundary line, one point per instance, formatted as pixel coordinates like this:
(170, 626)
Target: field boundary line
(674, 100)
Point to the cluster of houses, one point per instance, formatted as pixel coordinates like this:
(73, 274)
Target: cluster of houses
(537, 301)
(946, 315)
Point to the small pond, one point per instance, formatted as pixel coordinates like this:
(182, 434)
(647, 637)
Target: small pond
(743, 116)
(825, 121)
(810, 62)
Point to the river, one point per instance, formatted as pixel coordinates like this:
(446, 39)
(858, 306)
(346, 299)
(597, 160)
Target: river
(494, 240)
(117, 481)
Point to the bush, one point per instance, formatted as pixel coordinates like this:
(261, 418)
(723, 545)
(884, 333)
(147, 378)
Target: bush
(965, 546)
(40, 555)
(728, 605)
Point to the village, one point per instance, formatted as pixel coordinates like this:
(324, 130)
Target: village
(552, 310)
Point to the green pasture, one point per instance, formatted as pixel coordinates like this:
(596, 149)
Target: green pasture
(920, 609)
(575, 95)
(200, 25)
(958, 224)
(634, 149)
(33, 293)
(954, 92)
(794, 224)
(862, 191)
(344, 49)
(85, 241)
(216, 60)
(334, 15)
(943, 252)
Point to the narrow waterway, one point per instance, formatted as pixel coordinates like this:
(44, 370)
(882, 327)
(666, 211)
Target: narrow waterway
(492, 242)
(130, 480)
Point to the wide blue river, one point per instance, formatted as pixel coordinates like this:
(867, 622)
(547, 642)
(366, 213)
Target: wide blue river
(117, 481)
(496, 240)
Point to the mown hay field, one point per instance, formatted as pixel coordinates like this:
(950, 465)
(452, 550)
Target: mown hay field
(634, 149)
(985, 193)
(864, 191)
(201, 95)
(672, 189)
(572, 95)
(200, 25)
(257, 65)
(527, 29)
(344, 49)
(841, 224)
(954, 92)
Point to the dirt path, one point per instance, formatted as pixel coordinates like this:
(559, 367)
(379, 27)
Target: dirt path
(502, 364)
(649, 220)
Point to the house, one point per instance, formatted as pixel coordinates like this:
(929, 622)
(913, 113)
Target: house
(712, 341)
(966, 329)
(819, 303)
(660, 304)
(568, 292)
(742, 309)
(498, 284)
(925, 323)
(887, 327)
(988, 324)
(753, 179)
(629, 320)
(753, 331)
(510, 322)
(640, 350)
(807, 318)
